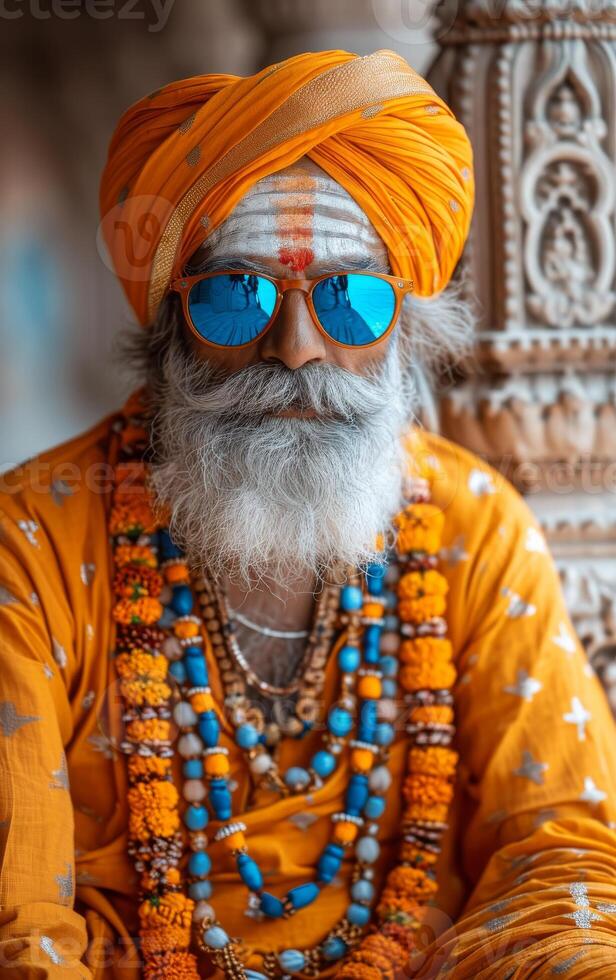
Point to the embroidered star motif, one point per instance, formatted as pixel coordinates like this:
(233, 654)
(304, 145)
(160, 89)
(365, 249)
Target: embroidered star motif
(500, 922)
(480, 483)
(60, 776)
(34, 599)
(564, 640)
(530, 769)
(543, 816)
(583, 916)
(10, 719)
(607, 907)
(565, 965)
(103, 744)
(59, 653)
(88, 700)
(6, 598)
(30, 529)
(525, 686)
(535, 541)
(591, 793)
(46, 944)
(303, 820)
(59, 490)
(65, 883)
(47, 671)
(456, 553)
(578, 716)
(517, 607)
(87, 571)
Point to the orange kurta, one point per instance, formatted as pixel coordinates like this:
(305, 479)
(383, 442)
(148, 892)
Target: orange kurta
(528, 869)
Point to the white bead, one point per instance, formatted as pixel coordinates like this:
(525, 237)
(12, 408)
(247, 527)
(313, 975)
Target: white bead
(166, 595)
(387, 710)
(379, 779)
(203, 911)
(367, 850)
(390, 642)
(193, 790)
(172, 648)
(190, 745)
(261, 763)
(184, 715)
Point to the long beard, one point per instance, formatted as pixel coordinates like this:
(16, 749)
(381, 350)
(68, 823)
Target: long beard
(255, 496)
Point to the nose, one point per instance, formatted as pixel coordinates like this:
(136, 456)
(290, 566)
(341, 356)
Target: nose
(293, 339)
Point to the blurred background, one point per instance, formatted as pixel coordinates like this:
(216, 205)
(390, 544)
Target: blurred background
(535, 86)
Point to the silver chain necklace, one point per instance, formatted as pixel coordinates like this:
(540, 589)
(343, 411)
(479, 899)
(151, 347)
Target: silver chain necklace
(265, 630)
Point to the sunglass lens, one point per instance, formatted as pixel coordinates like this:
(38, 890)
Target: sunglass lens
(231, 309)
(354, 309)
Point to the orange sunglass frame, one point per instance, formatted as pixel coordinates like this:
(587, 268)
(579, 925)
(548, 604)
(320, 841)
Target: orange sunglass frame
(184, 285)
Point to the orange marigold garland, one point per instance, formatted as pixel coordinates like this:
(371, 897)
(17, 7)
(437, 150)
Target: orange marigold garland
(155, 844)
(426, 676)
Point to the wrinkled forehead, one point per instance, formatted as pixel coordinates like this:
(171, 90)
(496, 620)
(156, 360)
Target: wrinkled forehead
(296, 223)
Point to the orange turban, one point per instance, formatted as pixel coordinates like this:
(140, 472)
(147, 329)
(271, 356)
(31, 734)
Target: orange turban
(181, 158)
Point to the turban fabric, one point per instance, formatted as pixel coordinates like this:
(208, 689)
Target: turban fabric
(181, 158)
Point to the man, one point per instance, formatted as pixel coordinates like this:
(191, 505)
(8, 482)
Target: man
(232, 613)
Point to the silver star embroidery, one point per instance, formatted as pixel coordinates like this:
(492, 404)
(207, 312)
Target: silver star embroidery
(535, 541)
(10, 719)
(583, 916)
(103, 744)
(591, 793)
(565, 965)
(525, 686)
(88, 700)
(60, 776)
(607, 907)
(480, 483)
(455, 553)
(87, 571)
(579, 717)
(30, 529)
(517, 607)
(85, 878)
(47, 671)
(6, 598)
(303, 820)
(530, 769)
(59, 653)
(500, 922)
(543, 816)
(59, 490)
(564, 640)
(46, 944)
(34, 599)
(65, 883)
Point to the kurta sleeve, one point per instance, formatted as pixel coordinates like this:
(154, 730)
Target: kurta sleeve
(537, 779)
(40, 933)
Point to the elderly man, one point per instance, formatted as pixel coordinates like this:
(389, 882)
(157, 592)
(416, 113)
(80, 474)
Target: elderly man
(239, 614)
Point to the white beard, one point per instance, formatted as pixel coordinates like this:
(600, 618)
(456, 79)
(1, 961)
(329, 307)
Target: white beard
(254, 496)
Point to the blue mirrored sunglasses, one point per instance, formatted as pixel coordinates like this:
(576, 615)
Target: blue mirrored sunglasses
(234, 309)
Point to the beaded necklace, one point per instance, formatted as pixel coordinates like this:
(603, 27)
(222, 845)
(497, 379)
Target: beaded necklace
(160, 646)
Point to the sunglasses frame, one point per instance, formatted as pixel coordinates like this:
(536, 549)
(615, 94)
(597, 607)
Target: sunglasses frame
(184, 284)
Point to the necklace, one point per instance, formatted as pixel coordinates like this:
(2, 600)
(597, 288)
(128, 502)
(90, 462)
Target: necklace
(156, 646)
(265, 630)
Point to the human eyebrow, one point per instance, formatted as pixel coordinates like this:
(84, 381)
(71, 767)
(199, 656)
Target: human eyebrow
(217, 263)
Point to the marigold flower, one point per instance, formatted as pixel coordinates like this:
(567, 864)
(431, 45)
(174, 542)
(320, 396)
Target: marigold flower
(426, 676)
(424, 811)
(134, 581)
(164, 938)
(432, 714)
(421, 788)
(410, 882)
(137, 611)
(171, 965)
(426, 648)
(420, 528)
(148, 730)
(141, 665)
(420, 610)
(135, 554)
(415, 585)
(146, 692)
(131, 517)
(434, 760)
(173, 908)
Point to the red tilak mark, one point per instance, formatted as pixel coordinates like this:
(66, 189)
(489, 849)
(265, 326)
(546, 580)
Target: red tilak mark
(297, 258)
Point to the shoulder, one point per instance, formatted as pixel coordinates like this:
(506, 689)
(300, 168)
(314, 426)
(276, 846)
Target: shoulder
(477, 500)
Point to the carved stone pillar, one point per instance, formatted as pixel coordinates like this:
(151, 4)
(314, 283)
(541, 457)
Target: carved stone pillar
(535, 86)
